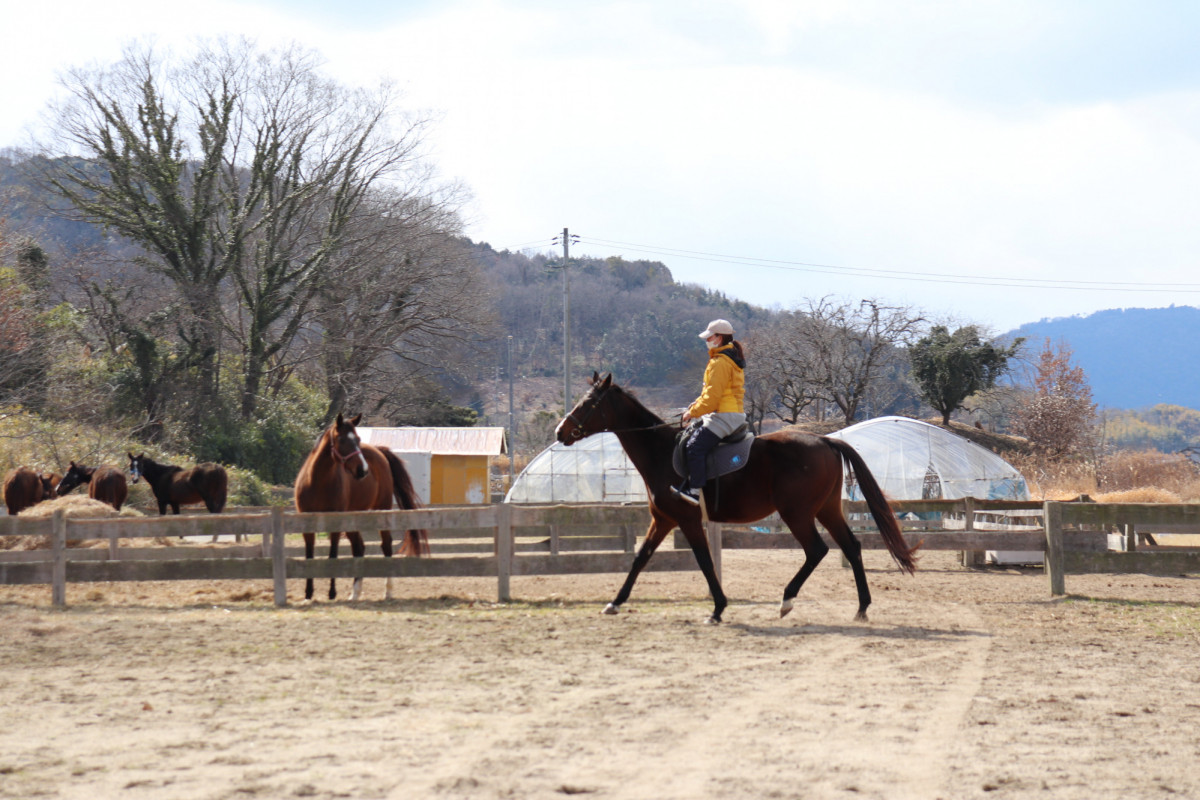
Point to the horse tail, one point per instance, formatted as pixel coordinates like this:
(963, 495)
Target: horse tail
(416, 542)
(881, 512)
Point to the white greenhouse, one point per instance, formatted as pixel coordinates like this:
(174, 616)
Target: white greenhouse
(912, 460)
(593, 470)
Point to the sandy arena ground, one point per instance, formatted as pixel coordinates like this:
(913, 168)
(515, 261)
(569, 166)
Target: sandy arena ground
(964, 684)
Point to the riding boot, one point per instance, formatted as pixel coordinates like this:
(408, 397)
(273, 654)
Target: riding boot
(700, 444)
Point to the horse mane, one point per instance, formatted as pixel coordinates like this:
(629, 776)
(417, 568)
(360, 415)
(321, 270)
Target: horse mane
(650, 417)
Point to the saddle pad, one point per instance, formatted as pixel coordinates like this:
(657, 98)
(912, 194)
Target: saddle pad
(724, 459)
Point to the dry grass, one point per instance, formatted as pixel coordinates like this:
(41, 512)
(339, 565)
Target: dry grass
(1125, 476)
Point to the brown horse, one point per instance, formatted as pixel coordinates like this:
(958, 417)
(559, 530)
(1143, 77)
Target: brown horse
(796, 474)
(176, 486)
(106, 484)
(342, 474)
(24, 488)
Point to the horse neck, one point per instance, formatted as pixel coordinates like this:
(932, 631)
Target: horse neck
(153, 470)
(642, 434)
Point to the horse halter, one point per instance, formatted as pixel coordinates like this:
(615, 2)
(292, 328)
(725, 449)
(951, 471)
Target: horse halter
(343, 459)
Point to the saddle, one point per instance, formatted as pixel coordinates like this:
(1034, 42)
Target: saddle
(731, 453)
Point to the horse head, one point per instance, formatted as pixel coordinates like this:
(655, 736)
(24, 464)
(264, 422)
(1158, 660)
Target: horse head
(346, 447)
(49, 481)
(76, 475)
(135, 466)
(588, 416)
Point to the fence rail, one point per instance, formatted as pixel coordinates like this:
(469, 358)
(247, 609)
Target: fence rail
(503, 541)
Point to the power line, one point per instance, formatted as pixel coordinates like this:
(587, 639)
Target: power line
(890, 274)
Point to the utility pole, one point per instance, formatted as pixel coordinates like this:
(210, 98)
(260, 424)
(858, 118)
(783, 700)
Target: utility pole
(512, 434)
(566, 245)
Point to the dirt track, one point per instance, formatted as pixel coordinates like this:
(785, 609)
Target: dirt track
(964, 684)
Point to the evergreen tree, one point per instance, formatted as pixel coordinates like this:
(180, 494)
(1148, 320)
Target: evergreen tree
(950, 367)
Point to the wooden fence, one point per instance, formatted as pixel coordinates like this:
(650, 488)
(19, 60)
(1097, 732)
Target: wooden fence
(503, 541)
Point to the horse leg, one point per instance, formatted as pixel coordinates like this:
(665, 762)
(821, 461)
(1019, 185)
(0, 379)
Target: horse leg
(310, 540)
(658, 530)
(805, 532)
(696, 537)
(358, 550)
(335, 539)
(385, 544)
(831, 517)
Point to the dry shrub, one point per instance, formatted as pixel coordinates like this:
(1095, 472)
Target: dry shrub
(1054, 479)
(1127, 470)
(74, 507)
(1127, 475)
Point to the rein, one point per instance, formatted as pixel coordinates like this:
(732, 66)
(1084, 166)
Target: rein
(577, 432)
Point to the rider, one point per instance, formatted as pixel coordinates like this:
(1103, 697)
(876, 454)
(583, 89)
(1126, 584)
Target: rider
(719, 408)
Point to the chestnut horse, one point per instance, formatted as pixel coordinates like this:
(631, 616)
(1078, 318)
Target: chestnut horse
(106, 484)
(24, 488)
(342, 474)
(796, 474)
(176, 486)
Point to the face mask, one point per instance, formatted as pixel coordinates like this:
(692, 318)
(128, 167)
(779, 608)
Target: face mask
(713, 341)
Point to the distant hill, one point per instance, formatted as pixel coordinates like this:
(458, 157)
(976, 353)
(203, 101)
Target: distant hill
(1134, 358)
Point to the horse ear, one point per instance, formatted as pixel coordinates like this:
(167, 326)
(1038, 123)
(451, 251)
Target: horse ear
(607, 381)
(354, 420)
(595, 377)
(340, 421)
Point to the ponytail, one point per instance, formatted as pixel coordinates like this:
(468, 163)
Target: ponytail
(727, 338)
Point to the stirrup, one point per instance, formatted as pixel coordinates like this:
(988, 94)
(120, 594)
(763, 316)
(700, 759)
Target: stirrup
(689, 495)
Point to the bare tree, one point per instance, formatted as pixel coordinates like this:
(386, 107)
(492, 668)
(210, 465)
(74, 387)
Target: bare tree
(1058, 415)
(782, 370)
(842, 349)
(407, 303)
(234, 164)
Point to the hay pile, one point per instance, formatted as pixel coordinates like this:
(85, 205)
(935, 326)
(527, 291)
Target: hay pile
(74, 507)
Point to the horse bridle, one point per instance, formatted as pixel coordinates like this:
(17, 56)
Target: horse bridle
(577, 432)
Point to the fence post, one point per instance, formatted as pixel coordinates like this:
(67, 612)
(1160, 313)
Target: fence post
(278, 562)
(1130, 537)
(504, 551)
(1055, 562)
(714, 546)
(970, 558)
(58, 571)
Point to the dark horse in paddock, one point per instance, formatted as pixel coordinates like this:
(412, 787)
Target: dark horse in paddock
(176, 486)
(797, 474)
(24, 488)
(105, 483)
(342, 474)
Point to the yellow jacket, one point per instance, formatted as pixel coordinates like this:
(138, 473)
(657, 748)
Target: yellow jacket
(724, 384)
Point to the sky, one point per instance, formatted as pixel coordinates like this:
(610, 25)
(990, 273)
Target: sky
(995, 162)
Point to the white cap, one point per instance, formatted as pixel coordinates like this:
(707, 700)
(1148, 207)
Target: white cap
(717, 326)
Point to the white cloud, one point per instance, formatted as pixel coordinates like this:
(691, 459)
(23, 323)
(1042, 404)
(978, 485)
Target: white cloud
(930, 137)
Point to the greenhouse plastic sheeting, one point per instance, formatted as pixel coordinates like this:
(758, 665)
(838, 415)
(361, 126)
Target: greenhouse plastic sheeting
(913, 460)
(593, 470)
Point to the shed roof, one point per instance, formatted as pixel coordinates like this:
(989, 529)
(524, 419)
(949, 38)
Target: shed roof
(439, 441)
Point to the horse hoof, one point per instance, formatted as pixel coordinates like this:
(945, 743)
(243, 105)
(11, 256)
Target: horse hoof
(860, 616)
(713, 620)
(785, 608)
(610, 609)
